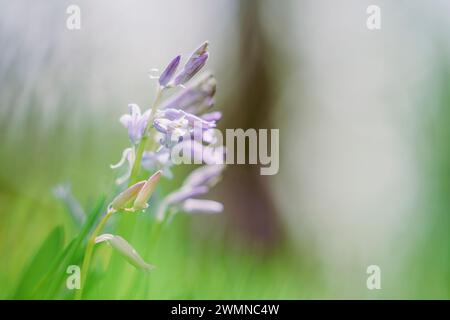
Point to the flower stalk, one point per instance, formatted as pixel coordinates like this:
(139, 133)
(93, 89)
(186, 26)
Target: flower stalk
(89, 251)
(143, 143)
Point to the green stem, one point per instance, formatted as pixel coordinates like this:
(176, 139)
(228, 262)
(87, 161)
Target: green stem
(90, 250)
(137, 161)
(141, 146)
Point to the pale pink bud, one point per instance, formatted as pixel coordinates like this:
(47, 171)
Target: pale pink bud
(146, 191)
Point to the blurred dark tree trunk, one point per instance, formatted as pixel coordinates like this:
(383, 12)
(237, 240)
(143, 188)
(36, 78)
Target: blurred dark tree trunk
(249, 201)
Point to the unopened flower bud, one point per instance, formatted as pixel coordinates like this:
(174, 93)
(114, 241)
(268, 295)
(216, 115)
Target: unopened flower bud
(126, 196)
(169, 72)
(146, 191)
(195, 62)
(191, 69)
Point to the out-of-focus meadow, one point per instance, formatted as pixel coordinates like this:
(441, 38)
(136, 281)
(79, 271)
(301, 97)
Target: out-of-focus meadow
(364, 173)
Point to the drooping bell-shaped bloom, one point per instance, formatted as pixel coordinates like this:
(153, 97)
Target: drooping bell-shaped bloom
(173, 130)
(183, 194)
(193, 120)
(176, 198)
(135, 122)
(201, 206)
(204, 176)
(177, 124)
(197, 183)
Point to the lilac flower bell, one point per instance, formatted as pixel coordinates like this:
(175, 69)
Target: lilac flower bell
(176, 124)
(202, 206)
(175, 114)
(197, 183)
(208, 175)
(135, 122)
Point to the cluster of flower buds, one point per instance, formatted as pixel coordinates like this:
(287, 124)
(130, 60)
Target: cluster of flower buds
(195, 62)
(180, 117)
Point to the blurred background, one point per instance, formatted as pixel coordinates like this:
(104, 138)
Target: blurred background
(363, 115)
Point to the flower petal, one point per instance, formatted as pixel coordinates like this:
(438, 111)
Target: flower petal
(134, 109)
(212, 116)
(126, 250)
(207, 175)
(125, 120)
(185, 193)
(201, 206)
(125, 156)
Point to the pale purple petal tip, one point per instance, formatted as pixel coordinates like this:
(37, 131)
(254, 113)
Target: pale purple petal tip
(212, 116)
(185, 193)
(202, 206)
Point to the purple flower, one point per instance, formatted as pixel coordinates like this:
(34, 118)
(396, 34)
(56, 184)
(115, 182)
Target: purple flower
(196, 61)
(197, 183)
(135, 122)
(176, 124)
(193, 120)
(169, 72)
(196, 98)
(176, 198)
(201, 206)
(173, 130)
(184, 194)
(212, 116)
(207, 175)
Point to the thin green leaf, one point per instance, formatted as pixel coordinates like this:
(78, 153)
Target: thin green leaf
(38, 265)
